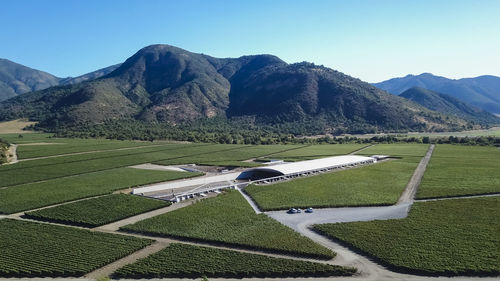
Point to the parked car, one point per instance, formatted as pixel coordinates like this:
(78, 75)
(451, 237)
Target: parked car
(292, 211)
(309, 210)
(299, 211)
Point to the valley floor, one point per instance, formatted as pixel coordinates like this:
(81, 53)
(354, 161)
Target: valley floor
(368, 269)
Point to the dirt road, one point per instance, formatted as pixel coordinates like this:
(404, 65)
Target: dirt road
(412, 186)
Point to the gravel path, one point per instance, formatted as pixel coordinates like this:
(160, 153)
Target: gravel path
(112, 267)
(12, 151)
(361, 149)
(116, 225)
(411, 188)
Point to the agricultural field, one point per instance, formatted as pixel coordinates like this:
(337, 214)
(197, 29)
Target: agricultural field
(98, 211)
(397, 150)
(316, 151)
(186, 261)
(378, 184)
(461, 170)
(232, 157)
(29, 249)
(228, 219)
(26, 172)
(447, 237)
(36, 195)
(68, 146)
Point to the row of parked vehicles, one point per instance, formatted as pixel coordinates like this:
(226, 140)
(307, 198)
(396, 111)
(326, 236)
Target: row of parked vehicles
(298, 210)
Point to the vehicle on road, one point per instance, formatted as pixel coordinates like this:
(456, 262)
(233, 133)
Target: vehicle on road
(309, 210)
(292, 211)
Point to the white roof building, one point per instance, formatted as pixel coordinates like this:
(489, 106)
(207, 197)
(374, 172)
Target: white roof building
(308, 166)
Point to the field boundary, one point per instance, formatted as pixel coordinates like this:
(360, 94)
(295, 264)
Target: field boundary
(461, 196)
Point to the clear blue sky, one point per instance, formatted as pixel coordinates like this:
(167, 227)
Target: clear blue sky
(372, 40)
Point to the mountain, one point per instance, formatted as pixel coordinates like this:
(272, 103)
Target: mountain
(482, 91)
(449, 105)
(166, 84)
(16, 79)
(89, 76)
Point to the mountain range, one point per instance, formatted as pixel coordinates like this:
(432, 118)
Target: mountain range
(482, 91)
(448, 105)
(168, 85)
(16, 79)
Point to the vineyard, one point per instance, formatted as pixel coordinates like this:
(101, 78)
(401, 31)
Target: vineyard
(316, 151)
(461, 170)
(449, 237)
(186, 261)
(397, 150)
(29, 249)
(98, 211)
(229, 219)
(379, 184)
(66, 146)
(36, 195)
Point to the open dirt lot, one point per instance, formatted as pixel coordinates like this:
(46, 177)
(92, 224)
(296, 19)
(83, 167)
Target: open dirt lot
(15, 127)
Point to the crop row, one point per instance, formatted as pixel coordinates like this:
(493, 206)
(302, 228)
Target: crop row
(36, 195)
(98, 211)
(447, 237)
(29, 249)
(229, 219)
(377, 184)
(461, 170)
(187, 261)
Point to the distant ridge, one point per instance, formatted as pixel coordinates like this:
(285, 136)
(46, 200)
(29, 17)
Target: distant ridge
(449, 105)
(482, 91)
(16, 79)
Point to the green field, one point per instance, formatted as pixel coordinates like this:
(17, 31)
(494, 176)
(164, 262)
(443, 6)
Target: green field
(231, 157)
(29, 249)
(316, 151)
(51, 168)
(186, 261)
(29, 138)
(396, 150)
(36, 195)
(378, 184)
(98, 211)
(45, 169)
(229, 219)
(461, 170)
(448, 237)
(67, 146)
